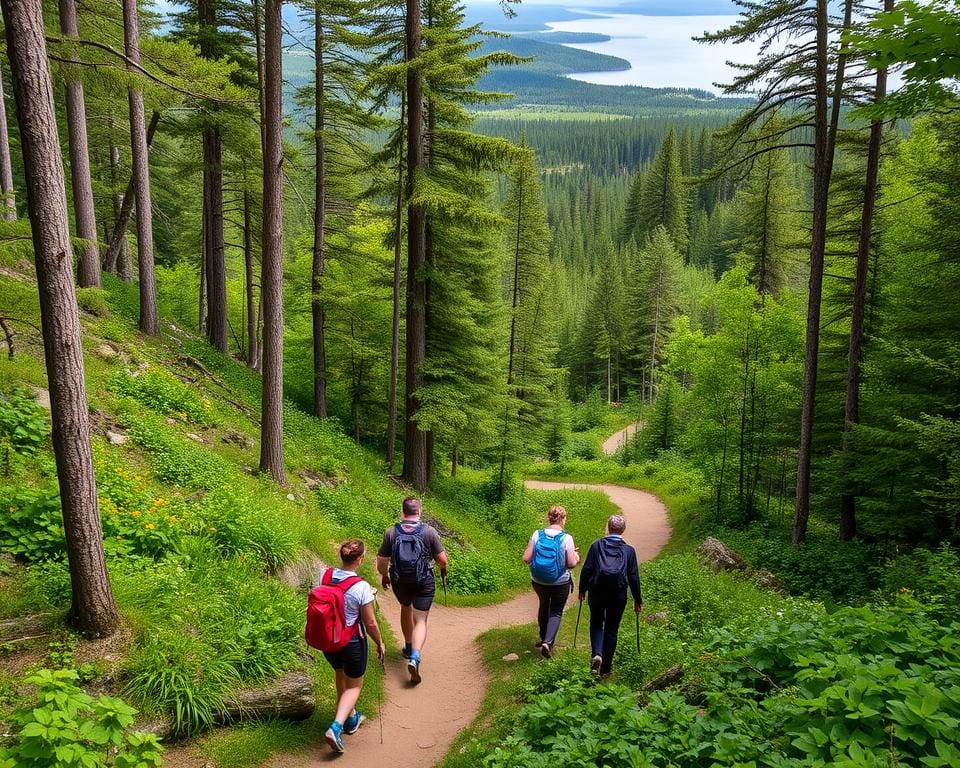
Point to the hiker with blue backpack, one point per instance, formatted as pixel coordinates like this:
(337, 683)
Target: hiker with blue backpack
(405, 562)
(610, 568)
(340, 618)
(551, 554)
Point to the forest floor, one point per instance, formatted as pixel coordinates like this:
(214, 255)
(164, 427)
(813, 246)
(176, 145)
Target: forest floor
(420, 723)
(619, 438)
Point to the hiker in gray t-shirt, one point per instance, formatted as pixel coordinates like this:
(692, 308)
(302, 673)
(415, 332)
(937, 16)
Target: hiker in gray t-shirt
(405, 562)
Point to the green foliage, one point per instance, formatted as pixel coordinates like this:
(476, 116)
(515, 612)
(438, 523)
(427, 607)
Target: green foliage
(472, 573)
(932, 576)
(31, 524)
(24, 425)
(68, 728)
(93, 301)
(160, 390)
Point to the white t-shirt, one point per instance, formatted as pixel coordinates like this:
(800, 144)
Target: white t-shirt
(359, 595)
(568, 546)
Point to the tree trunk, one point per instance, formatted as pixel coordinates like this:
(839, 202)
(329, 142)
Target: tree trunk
(317, 308)
(8, 207)
(416, 470)
(271, 281)
(119, 239)
(397, 276)
(93, 610)
(215, 252)
(202, 308)
(88, 271)
(122, 263)
(253, 348)
(818, 240)
(141, 177)
(851, 415)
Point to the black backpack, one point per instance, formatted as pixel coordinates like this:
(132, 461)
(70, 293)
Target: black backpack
(611, 564)
(409, 561)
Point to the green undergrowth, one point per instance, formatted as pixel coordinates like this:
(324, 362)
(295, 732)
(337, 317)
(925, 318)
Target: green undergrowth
(196, 540)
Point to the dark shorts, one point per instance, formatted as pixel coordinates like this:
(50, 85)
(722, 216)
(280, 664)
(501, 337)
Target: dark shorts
(420, 596)
(352, 659)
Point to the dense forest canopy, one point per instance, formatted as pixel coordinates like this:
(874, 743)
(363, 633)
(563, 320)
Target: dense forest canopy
(397, 240)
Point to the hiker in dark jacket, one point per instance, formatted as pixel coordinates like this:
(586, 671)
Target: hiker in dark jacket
(610, 567)
(405, 562)
(551, 554)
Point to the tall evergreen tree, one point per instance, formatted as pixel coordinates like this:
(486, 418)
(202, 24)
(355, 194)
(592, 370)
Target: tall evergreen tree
(664, 199)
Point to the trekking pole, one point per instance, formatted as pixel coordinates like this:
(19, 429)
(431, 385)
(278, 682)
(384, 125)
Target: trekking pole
(638, 632)
(383, 681)
(443, 581)
(576, 629)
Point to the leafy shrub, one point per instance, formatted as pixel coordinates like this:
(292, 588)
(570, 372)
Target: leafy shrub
(68, 728)
(933, 577)
(23, 423)
(582, 447)
(163, 392)
(589, 414)
(238, 525)
(31, 523)
(472, 573)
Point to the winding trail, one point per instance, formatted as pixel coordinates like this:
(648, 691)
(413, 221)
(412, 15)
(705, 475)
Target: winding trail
(612, 444)
(420, 724)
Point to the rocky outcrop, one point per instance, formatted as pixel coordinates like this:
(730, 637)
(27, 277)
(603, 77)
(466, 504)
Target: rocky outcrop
(719, 557)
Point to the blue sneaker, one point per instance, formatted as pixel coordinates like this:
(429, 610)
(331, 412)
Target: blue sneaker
(353, 722)
(334, 736)
(407, 650)
(413, 667)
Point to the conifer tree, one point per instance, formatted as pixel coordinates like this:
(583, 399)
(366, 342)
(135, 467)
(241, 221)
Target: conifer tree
(631, 212)
(664, 199)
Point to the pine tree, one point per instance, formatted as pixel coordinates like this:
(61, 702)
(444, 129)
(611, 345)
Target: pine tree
(664, 199)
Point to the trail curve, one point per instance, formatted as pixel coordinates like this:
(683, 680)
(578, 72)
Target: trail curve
(420, 724)
(619, 438)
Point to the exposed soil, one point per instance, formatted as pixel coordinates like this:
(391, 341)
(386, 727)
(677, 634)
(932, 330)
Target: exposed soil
(612, 444)
(420, 723)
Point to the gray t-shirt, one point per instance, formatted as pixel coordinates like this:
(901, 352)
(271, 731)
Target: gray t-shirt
(428, 534)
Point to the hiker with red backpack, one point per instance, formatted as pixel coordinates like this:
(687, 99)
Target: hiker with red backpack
(610, 568)
(340, 618)
(551, 554)
(405, 562)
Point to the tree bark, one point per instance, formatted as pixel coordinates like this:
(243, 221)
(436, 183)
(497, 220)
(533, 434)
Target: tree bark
(141, 177)
(271, 283)
(118, 241)
(213, 198)
(88, 271)
(851, 416)
(317, 308)
(253, 347)
(8, 207)
(93, 610)
(416, 470)
(818, 240)
(397, 276)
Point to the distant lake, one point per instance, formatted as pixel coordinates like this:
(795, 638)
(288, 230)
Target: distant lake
(659, 49)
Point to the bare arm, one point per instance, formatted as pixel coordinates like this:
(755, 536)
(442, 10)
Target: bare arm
(441, 560)
(528, 553)
(369, 619)
(573, 555)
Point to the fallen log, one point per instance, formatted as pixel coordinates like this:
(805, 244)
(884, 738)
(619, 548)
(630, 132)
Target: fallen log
(289, 697)
(663, 680)
(24, 628)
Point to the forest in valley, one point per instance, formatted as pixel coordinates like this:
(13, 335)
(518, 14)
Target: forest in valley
(267, 268)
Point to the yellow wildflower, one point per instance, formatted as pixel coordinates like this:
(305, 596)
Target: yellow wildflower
(150, 526)
(135, 513)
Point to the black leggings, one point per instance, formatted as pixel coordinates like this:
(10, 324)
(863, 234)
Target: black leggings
(553, 598)
(606, 611)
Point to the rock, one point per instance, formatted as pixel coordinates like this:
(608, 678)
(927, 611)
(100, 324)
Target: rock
(196, 438)
(657, 616)
(107, 352)
(303, 572)
(291, 497)
(719, 557)
(233, 437)
(248, 470)
(171, 420)
(43, 397)
(511, 657)
(767, 580)
(116, 438)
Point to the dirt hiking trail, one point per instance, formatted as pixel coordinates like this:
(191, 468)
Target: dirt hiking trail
(612, 444)
(420, 723)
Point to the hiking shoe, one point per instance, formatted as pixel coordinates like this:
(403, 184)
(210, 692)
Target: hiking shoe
(334, 736)
(605, 675)
(595, 664)
(545, 651)
(413, 667)
(353, 722)
(407, 651)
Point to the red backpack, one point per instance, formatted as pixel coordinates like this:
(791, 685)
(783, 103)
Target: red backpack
(327, 628)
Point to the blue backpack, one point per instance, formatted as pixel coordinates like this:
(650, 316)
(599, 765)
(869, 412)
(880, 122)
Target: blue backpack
(549, 558)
